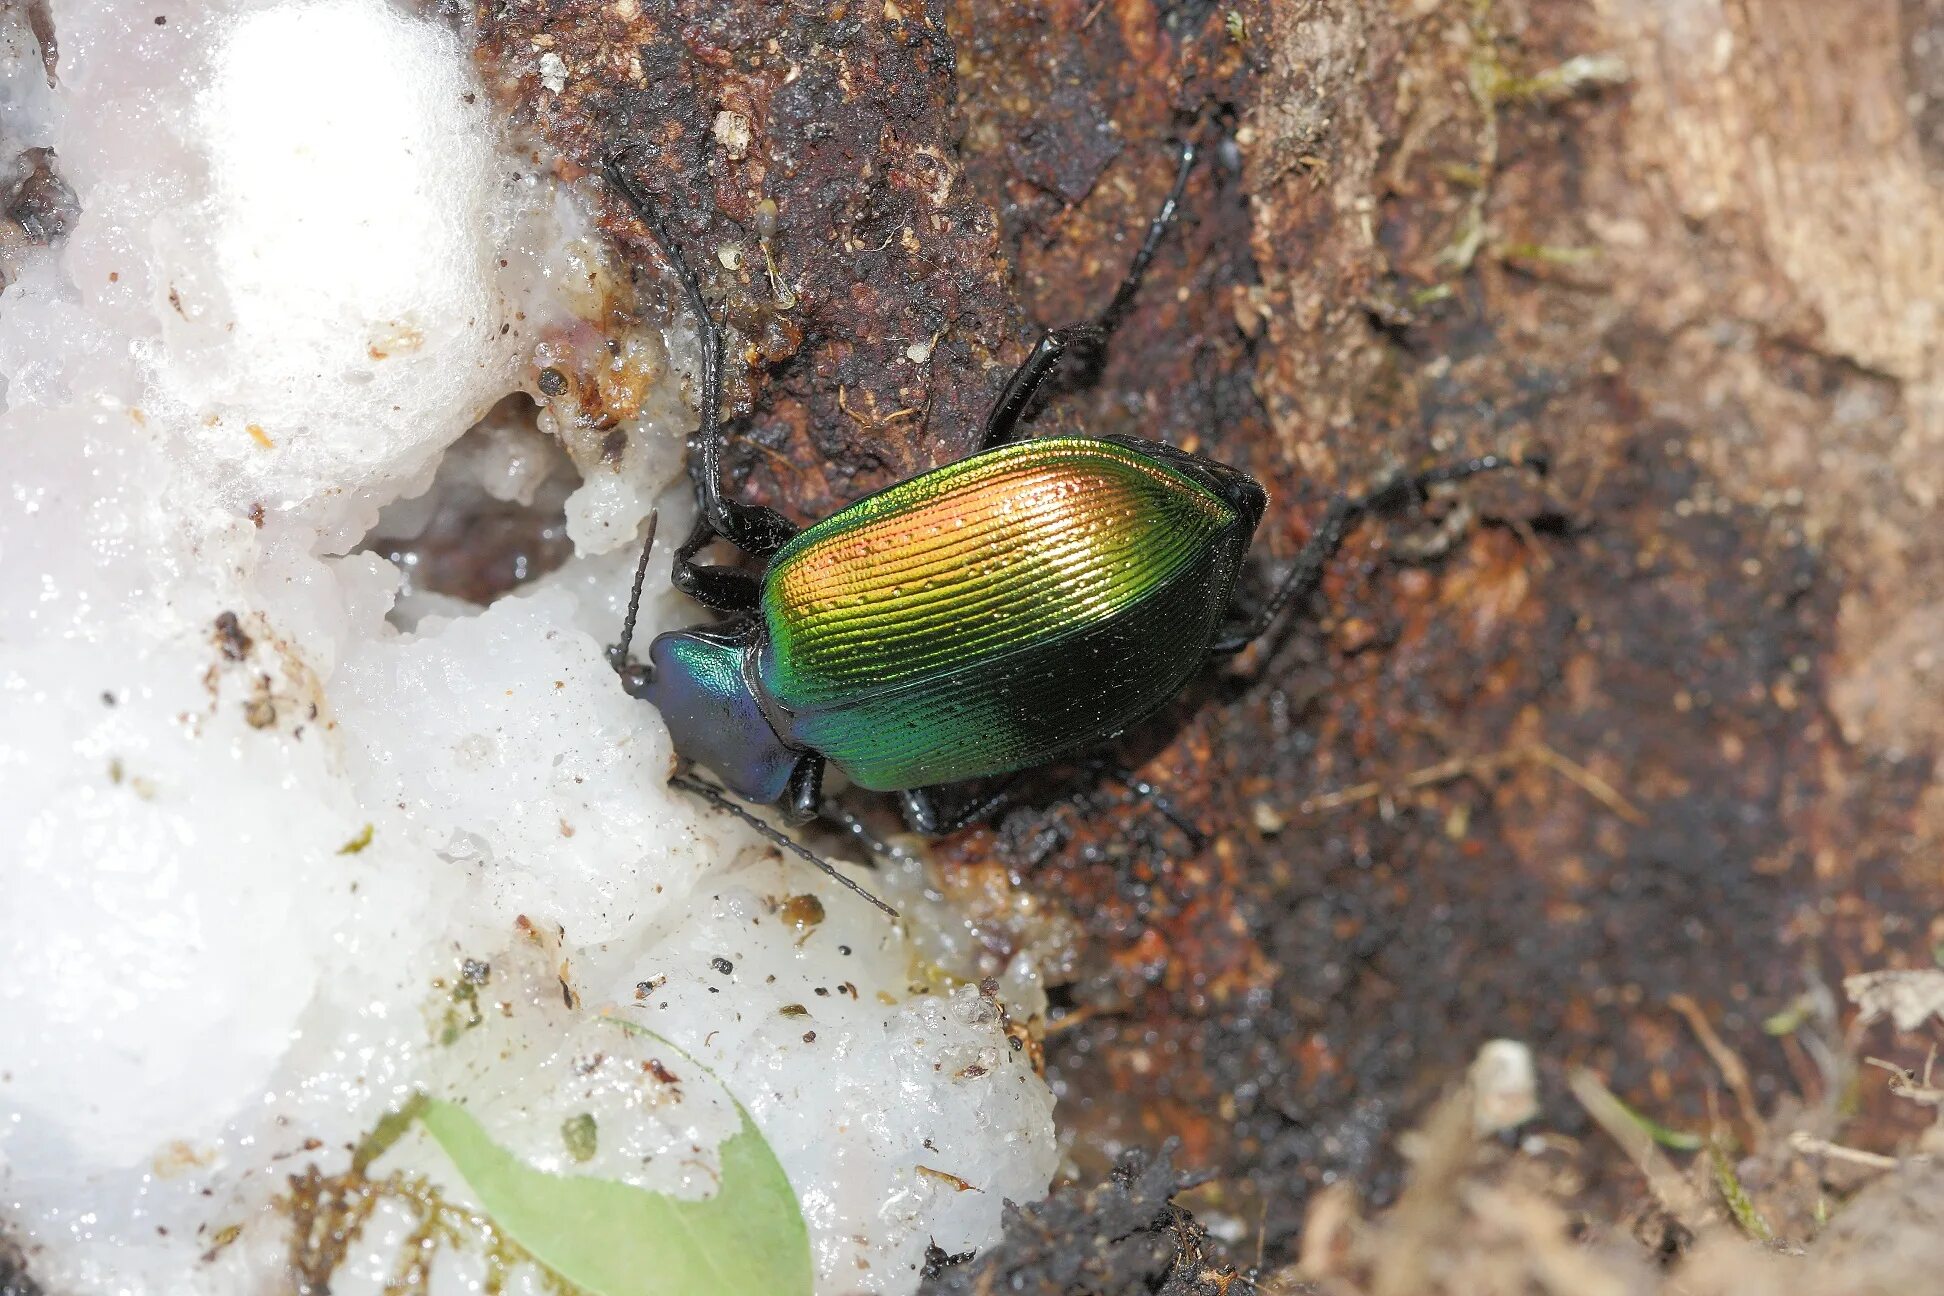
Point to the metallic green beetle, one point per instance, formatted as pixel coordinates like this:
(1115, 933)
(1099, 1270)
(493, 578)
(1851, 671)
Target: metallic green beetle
(1017, 607)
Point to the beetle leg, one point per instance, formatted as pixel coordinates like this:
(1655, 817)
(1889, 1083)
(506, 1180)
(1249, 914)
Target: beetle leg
(1103, 765)
(805, 792)
(1032, 374)
(1150, 795)
(1344, 512)
(1300, 581)
(840, 817)
(1090, 338)
(922, 813)
(726, 589)
(755, 530)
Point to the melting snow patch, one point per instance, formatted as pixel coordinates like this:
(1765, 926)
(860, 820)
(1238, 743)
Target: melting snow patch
(262, 838)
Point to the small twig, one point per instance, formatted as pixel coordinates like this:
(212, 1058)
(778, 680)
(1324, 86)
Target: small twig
(1809, 1145)
(1457, 767)
(871, 422)
(1428, 1208)
(1905, 1085)
(1328, 1222)
(1443, 772)
(1676, 1196)
(1589, 782)
(1067, 1021)
(785, 298)
(1732, 1069)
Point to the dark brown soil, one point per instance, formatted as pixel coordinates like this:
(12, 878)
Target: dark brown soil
(1664, 724)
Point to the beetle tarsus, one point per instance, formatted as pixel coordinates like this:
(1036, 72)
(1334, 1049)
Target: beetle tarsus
(923, 816)
(1157, 230)
(1102, 765)
(836, 815)
(1162, 805)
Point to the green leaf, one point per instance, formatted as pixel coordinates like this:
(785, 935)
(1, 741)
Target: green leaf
(613, 1239)
(1676, 1140)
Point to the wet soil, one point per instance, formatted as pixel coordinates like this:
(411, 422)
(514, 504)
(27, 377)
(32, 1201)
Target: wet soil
(1543, 757)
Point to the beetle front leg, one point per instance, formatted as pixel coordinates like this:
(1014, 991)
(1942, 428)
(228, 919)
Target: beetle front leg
(804, 795)
(1089, 338)
(757, 531)
(1033, 372)
(726, 589)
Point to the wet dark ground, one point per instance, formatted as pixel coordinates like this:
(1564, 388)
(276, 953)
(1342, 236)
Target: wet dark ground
(1535, 772)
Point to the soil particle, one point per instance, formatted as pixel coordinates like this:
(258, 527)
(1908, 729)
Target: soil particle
(1124, 1235)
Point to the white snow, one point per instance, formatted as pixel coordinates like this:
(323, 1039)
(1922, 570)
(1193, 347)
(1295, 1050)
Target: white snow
(244, 866)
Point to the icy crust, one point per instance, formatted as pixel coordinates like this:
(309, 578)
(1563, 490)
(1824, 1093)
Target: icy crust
(499, 744)
(886, 1111)
(258, 834)
(296, 287)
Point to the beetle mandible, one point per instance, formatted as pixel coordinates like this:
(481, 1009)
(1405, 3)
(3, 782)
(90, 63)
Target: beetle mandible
(1013, 608)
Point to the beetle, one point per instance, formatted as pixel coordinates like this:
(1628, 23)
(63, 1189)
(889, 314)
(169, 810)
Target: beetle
(1014, 608)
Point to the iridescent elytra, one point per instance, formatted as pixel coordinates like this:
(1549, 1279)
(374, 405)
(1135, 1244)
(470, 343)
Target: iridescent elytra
(1020, 606)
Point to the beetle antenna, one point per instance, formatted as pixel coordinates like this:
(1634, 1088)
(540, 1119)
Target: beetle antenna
(619, 653)
(719, 798)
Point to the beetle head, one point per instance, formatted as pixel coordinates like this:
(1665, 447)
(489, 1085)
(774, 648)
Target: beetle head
(698, 680)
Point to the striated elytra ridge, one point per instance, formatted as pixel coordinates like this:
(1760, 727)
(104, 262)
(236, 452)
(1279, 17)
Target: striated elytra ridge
(999, 612)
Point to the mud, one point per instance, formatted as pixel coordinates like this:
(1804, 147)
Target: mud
(870, 354)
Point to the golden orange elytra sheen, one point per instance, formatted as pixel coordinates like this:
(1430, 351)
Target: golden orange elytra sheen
(949, 625)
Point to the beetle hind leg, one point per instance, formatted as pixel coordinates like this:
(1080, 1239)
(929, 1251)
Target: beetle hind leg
(849, 824)
(1143, 793)
(1306, 573)
(924, 814)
